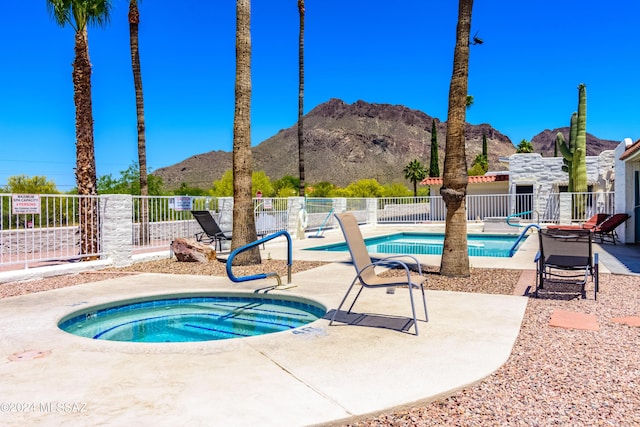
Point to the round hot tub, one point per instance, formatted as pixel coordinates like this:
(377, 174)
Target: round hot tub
(192, 318)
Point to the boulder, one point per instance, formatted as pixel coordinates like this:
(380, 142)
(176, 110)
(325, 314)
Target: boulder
(187, 250)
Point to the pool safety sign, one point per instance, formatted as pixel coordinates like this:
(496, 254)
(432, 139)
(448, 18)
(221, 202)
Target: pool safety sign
(181, 203)
(25, 204)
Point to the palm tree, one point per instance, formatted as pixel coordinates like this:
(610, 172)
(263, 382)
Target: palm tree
(301, 97)
(526, 147)
(455, 258)
(78, 14)
(415, 172)
(134, 22)
(244, 229)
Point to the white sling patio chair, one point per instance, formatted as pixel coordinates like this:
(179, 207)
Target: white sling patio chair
(365, 268)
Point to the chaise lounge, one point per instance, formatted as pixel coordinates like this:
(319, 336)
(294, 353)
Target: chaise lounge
(589, 224)
(606, 231)
(211, 232)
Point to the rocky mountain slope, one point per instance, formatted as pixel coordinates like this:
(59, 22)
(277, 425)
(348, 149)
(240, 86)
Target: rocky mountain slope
(545, 141)
(347, 142)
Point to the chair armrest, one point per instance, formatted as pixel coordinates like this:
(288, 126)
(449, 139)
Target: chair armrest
(395, 259)
(389, 261)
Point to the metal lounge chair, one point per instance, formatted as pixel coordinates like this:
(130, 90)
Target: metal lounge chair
(566, 257)
(365, 268)
(606, 231)
(211, 231)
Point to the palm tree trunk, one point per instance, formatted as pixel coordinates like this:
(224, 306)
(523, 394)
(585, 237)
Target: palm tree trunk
(301, 97)
(85, 151)
(455, 256)
(134, 21)
(244, 229)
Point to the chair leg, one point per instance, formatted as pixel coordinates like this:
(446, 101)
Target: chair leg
(596, 283)
(342, 302)
(413, 309)
(354, 300)
(424, 302)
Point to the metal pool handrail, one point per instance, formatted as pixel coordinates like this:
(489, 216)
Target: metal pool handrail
(263, 275)
(520, 237)
(521, 214)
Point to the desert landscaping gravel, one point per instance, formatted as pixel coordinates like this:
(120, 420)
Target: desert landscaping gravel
(554, 376)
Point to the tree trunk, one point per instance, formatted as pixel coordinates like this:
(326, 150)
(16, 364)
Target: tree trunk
(134, 21)
(244, 229)
(455, 256)
(85, 152)
(301, 97)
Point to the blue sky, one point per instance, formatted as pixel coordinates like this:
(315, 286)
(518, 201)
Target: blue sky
(523, 78)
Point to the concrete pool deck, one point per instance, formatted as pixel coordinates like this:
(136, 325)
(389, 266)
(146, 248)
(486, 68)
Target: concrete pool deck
(319, 375)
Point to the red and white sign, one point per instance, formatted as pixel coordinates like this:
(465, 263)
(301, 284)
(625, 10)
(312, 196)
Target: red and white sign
(25, 204)
(258, 194)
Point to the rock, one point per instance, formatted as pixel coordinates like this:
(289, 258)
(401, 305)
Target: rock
(187, 250)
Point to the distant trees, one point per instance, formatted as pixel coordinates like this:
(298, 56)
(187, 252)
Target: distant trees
(287, 186)
(259, 181)
(480, 164)
(322, 189)
(434, 169)
(415, 172)
(129, 183)
(23, 184)
(361, 188)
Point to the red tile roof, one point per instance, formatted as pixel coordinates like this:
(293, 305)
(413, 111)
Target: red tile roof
(472, 179)
(633, 148)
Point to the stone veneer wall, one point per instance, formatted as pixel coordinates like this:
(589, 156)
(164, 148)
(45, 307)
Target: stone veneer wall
(545, 174)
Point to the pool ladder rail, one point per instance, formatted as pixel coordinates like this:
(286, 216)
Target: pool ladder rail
(259, 276)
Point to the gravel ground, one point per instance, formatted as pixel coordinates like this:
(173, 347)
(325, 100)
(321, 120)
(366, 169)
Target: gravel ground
(553, 377)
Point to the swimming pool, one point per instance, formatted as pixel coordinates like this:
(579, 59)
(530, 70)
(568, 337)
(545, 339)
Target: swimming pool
(192, 318)
(489, 245)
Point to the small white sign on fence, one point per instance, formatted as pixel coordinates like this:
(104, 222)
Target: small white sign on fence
(25, 204)
(181, 203)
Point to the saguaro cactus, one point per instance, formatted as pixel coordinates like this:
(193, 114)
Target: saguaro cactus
(575, 153)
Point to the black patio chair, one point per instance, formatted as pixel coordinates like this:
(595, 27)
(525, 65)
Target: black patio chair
(211, 232)
(566, 258)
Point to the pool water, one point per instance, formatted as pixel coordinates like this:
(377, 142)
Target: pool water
(192, 319)
(490, 245)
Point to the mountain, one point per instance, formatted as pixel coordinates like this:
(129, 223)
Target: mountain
(345, 143)
(545, 141)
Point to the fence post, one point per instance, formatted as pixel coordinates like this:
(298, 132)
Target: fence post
(294, 206)
(117, 226)
(566, 210)
(225, 216)
(372, 211)
(339, 204)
